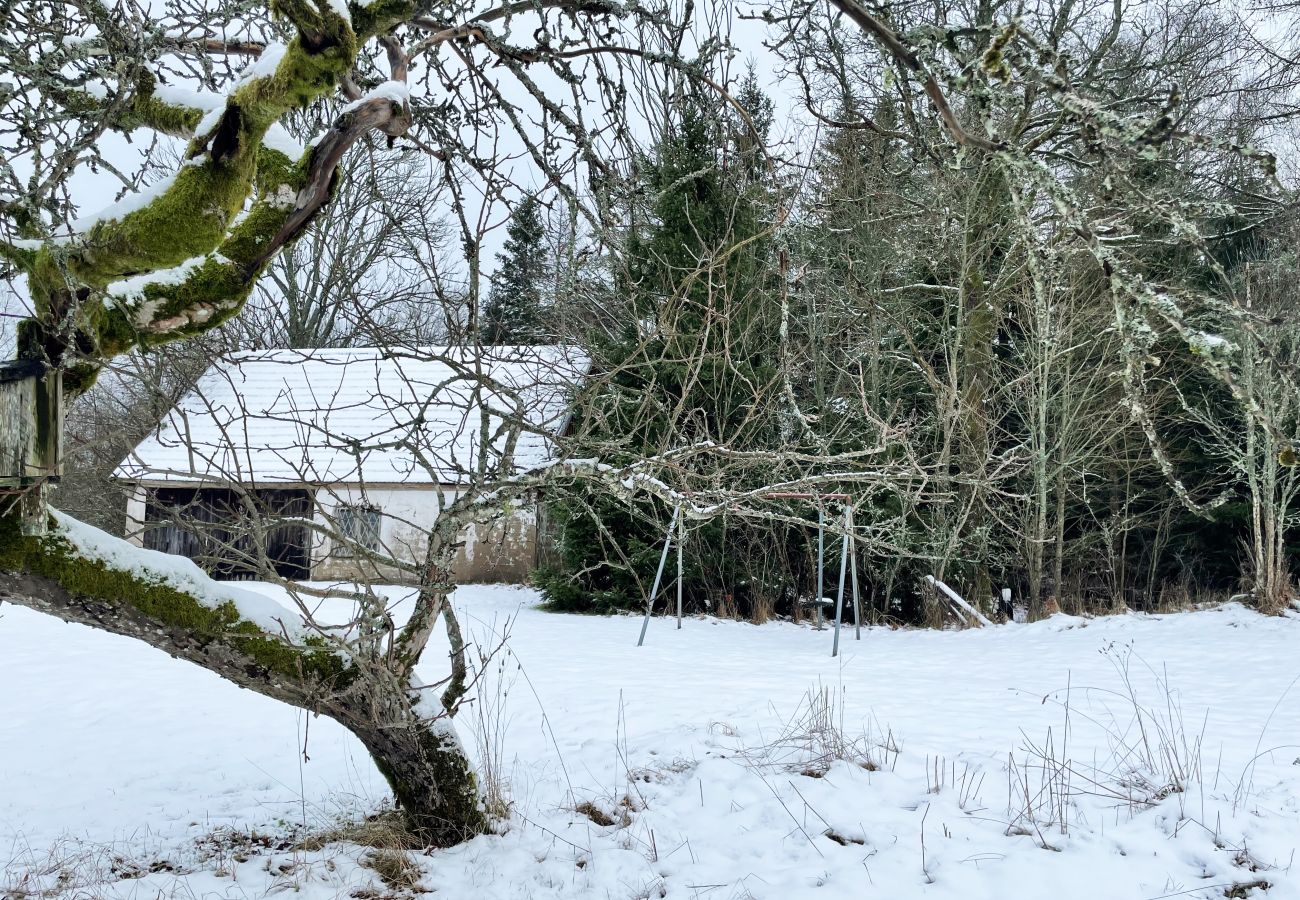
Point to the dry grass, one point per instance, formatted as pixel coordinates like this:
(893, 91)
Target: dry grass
(384, 831)
(489, 721)
(595, 813)
(815, 737)
(1152, 756)
(395, 868)
(494, 673)
(73, 869)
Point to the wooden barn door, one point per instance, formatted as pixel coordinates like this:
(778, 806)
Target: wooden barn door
(211, 527)
(288, 546)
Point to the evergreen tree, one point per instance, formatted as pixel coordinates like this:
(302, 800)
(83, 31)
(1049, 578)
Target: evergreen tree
(515, 311)
(695, 362)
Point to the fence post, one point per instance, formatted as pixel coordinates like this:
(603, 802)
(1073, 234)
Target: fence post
(31, 436)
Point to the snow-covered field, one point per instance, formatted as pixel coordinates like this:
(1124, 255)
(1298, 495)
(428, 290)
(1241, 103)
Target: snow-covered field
(733, 761)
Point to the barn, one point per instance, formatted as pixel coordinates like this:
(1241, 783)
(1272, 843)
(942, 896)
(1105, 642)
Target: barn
(333, 464)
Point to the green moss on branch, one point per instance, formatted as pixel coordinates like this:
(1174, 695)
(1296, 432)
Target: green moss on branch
(194, 214)
(53, 558)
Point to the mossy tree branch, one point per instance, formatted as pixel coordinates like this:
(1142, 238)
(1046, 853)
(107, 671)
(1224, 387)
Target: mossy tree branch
(214, 288)
(51, 574)
(195, 220)
(307, 667)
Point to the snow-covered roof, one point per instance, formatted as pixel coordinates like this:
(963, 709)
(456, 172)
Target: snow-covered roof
(360, 415)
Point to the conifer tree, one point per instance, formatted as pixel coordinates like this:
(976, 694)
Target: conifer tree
(695, 362)
(515, 311)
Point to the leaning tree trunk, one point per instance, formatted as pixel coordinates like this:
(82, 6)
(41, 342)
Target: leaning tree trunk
(426, 767)
(173, 266)
(76, 573)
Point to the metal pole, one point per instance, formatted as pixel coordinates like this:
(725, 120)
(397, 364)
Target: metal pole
(821, 561)
(839, 600)
(681, 539)
(853, 566)
(663, 560)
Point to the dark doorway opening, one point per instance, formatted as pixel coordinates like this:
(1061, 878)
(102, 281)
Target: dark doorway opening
(228, 533)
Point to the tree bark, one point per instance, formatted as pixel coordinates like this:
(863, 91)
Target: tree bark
(430, 776)
(410, 738)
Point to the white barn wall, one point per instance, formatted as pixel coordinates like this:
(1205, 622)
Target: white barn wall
(135, 515)
(503, 551)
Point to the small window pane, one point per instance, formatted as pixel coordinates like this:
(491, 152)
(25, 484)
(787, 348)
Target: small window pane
(359, 527)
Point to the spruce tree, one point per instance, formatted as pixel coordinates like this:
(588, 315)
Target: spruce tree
(695, 362)
(515, 311)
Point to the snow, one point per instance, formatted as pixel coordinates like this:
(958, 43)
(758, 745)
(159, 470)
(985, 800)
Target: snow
(357, 415)
(278, 138)
(213, 104)
(133, 288)
(395, 91)
(175, 95)
(209, 121)
(265, 64)
(114, 756)
(340, 8)
(124, 207)
(178, 572)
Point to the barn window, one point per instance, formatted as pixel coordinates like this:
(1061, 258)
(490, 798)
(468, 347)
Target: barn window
(358, 526)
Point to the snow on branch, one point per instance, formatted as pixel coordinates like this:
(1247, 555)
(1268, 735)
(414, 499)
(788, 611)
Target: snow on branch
(180, 573)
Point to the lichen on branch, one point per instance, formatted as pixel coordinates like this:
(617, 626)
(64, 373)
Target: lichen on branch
(183, 256)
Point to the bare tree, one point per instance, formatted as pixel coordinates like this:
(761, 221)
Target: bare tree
(1061, 142)
(181, 257)
(371, 269)
(1045, 122)
(1257, 456)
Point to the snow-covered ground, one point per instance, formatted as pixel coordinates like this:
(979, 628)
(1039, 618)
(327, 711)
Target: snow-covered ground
(734, 762)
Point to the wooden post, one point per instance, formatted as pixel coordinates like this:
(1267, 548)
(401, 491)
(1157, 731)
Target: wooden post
(31, 437)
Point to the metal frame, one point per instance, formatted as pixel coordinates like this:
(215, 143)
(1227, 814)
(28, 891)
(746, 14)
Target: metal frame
(659, 574)
(848, 565)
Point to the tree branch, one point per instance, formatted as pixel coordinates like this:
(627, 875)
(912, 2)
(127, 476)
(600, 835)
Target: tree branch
(76, 574)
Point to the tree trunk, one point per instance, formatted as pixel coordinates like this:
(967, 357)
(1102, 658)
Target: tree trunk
(978, 326)
(31, 436)
(415, 749)
(426, 767)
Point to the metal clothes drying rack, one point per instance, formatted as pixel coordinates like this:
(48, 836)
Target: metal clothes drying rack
(848, 564)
